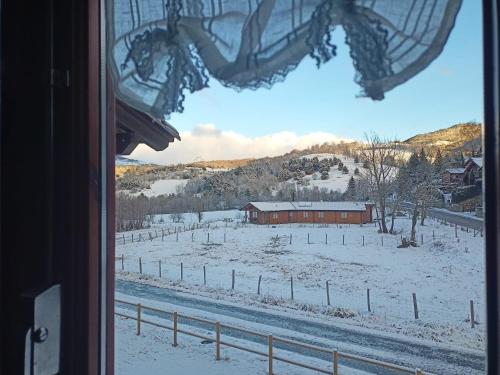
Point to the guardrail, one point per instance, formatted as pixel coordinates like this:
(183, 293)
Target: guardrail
(335, 354)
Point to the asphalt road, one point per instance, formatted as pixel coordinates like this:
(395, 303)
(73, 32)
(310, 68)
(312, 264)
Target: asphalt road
(472, 222)
(433, 359)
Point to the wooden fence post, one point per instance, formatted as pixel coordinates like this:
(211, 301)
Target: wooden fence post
(363, 240)
(204, 276)
(224, 236)
(124, 239)
(270, 353)
(177, 237)
(343, 240)
(132, 237)
(327, 293)
(456, 233)
(123, 266)
(433, 235)
(308, 242)
(472, 318)
(290, 238)
(208, 237)
(415, 307)
(421, 238)
(217, 341)
(139, 308)
(382, 238)
(326, 238)
(335, 362)
(291, 287)
(368, 299)
(258, 285)
(140, 265)
(159, 268)
(175, 328)
(232, 280)
(182, 271)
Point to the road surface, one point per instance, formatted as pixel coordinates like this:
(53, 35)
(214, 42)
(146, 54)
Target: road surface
(433, 359)
(458, 218)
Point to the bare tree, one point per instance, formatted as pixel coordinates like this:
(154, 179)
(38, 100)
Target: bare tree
(380, 157)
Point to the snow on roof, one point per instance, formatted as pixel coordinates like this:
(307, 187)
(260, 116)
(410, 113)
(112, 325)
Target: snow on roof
(309, 206)
(455, 170)
(478, 161)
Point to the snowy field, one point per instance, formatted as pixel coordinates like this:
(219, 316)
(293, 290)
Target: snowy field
(445, 272)
(337, 180)
(152, 352)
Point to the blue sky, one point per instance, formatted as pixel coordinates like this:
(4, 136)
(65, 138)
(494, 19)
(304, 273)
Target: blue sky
(324, 101)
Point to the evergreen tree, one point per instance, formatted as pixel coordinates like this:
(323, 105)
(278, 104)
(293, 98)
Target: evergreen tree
(350, 193)
(438, 162)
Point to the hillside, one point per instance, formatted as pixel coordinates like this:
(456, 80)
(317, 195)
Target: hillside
(457, 136)
(221, 164)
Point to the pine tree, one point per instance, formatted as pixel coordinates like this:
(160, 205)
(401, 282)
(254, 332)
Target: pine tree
(350, 193)
(438, 162)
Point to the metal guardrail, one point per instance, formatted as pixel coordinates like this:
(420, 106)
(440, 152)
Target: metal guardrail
(336, 355)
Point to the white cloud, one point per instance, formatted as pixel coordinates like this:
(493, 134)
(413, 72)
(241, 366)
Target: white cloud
(206, 142)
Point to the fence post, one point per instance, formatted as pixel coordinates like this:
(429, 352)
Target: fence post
(140, 265)
(368, 299)
(258, 286)
(159, 268)
(335, 362)
(363, 240)
(192, 236)
(208, 237)
(217, 341)
(326, 238)
(132, 237)
(415, 307)
(138, 319)
(456, 234)
(232, 279)
(291, 287)
(382, 238)
(204, 276)
(182, 271)
(421, 238)
(270, 353)
(224, 236)
(327, 293)
(290, 238)
(433, 235)
(472, 322)
(124, 239)
(175, 328)
(343, 240)
(123, 267)
(308, 242)
(177, 237)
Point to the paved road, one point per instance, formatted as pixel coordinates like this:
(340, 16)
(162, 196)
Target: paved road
(436, 360)
(451, 217)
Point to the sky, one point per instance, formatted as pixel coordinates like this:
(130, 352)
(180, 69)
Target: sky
(322, 105)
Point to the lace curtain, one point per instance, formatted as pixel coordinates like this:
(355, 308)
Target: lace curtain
(159, 49)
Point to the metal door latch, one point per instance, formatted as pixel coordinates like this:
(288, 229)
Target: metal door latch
(43, 338)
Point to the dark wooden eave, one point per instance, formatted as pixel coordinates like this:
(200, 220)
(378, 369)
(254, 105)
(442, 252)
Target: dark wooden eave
(134, 127)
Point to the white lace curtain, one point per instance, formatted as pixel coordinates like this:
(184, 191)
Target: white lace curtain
(159, 49)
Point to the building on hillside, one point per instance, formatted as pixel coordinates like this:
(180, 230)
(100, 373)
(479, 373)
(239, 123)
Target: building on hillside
(308, 212)
(453, 176)
(473, 170)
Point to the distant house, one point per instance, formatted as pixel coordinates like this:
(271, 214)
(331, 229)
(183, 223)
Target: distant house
(473, 170)
(308, 212)
(453, 176)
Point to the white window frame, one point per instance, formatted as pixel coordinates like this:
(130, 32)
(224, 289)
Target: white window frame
(343, 215)
(306, 215)
(275, 215)
(321, 214)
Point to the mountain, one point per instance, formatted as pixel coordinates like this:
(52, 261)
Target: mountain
(465, 136)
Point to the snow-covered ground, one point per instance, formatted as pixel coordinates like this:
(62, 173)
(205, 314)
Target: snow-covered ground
(337, 180)
(445, 272)
(152, 352)
(167, 186)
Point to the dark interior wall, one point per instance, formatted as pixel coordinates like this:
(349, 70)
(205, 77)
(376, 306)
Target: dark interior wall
(50, 176)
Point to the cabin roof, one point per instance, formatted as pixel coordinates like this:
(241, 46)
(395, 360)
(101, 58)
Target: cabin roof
(455, 170)
(307, 206)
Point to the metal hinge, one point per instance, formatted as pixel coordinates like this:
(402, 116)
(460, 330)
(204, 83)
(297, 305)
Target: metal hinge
(43, 338)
